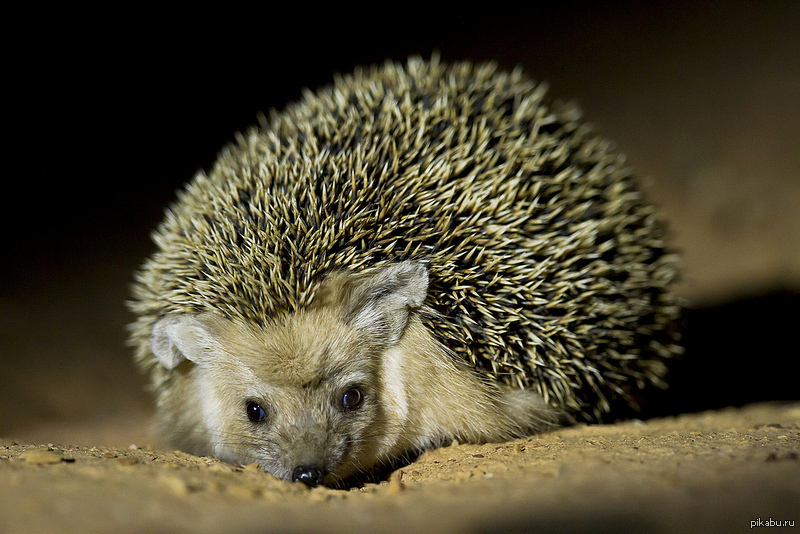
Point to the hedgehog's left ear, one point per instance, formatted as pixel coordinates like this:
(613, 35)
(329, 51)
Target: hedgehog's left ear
(381, 302)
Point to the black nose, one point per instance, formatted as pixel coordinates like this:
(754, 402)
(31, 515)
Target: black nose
(310, 475)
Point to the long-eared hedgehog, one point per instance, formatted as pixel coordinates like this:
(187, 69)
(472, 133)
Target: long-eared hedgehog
(418, 253)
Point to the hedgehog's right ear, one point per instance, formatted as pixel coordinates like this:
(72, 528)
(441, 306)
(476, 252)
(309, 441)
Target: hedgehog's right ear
(381, 302)
(183, 336)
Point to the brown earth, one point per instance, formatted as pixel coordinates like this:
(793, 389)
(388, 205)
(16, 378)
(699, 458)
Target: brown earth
(719, 471)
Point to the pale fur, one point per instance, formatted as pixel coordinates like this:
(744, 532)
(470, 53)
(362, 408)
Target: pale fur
(362, 331)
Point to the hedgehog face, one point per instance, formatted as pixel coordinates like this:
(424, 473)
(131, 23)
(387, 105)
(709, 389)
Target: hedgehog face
(307, 396)
(312, 401)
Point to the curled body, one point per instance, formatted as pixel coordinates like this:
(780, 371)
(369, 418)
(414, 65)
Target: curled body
(418, 253)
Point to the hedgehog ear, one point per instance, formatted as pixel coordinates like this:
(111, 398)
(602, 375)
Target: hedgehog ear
(381, 303)
(178, 337)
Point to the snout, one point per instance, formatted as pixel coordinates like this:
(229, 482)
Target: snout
(310, 475)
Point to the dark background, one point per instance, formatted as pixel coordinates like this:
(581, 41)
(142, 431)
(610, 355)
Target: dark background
(106, 115)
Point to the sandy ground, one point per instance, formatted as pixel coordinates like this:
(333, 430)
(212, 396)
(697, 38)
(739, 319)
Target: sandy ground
(703, 97)
(720, 471)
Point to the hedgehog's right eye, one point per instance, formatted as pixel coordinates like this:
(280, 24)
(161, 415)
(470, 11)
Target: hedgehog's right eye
(255, 412)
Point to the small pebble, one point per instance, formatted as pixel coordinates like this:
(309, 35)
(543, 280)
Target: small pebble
(127, 460)
(395, 485)
(176, 485)
(41, 457)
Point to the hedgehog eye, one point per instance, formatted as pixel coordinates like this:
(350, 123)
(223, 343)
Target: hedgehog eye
(352, 398)
(255, 412)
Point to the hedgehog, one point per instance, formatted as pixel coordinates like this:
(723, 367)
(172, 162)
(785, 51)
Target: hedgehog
(419, 253)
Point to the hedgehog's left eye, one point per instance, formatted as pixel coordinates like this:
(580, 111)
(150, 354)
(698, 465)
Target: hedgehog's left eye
(255, 412)
(352, 398)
